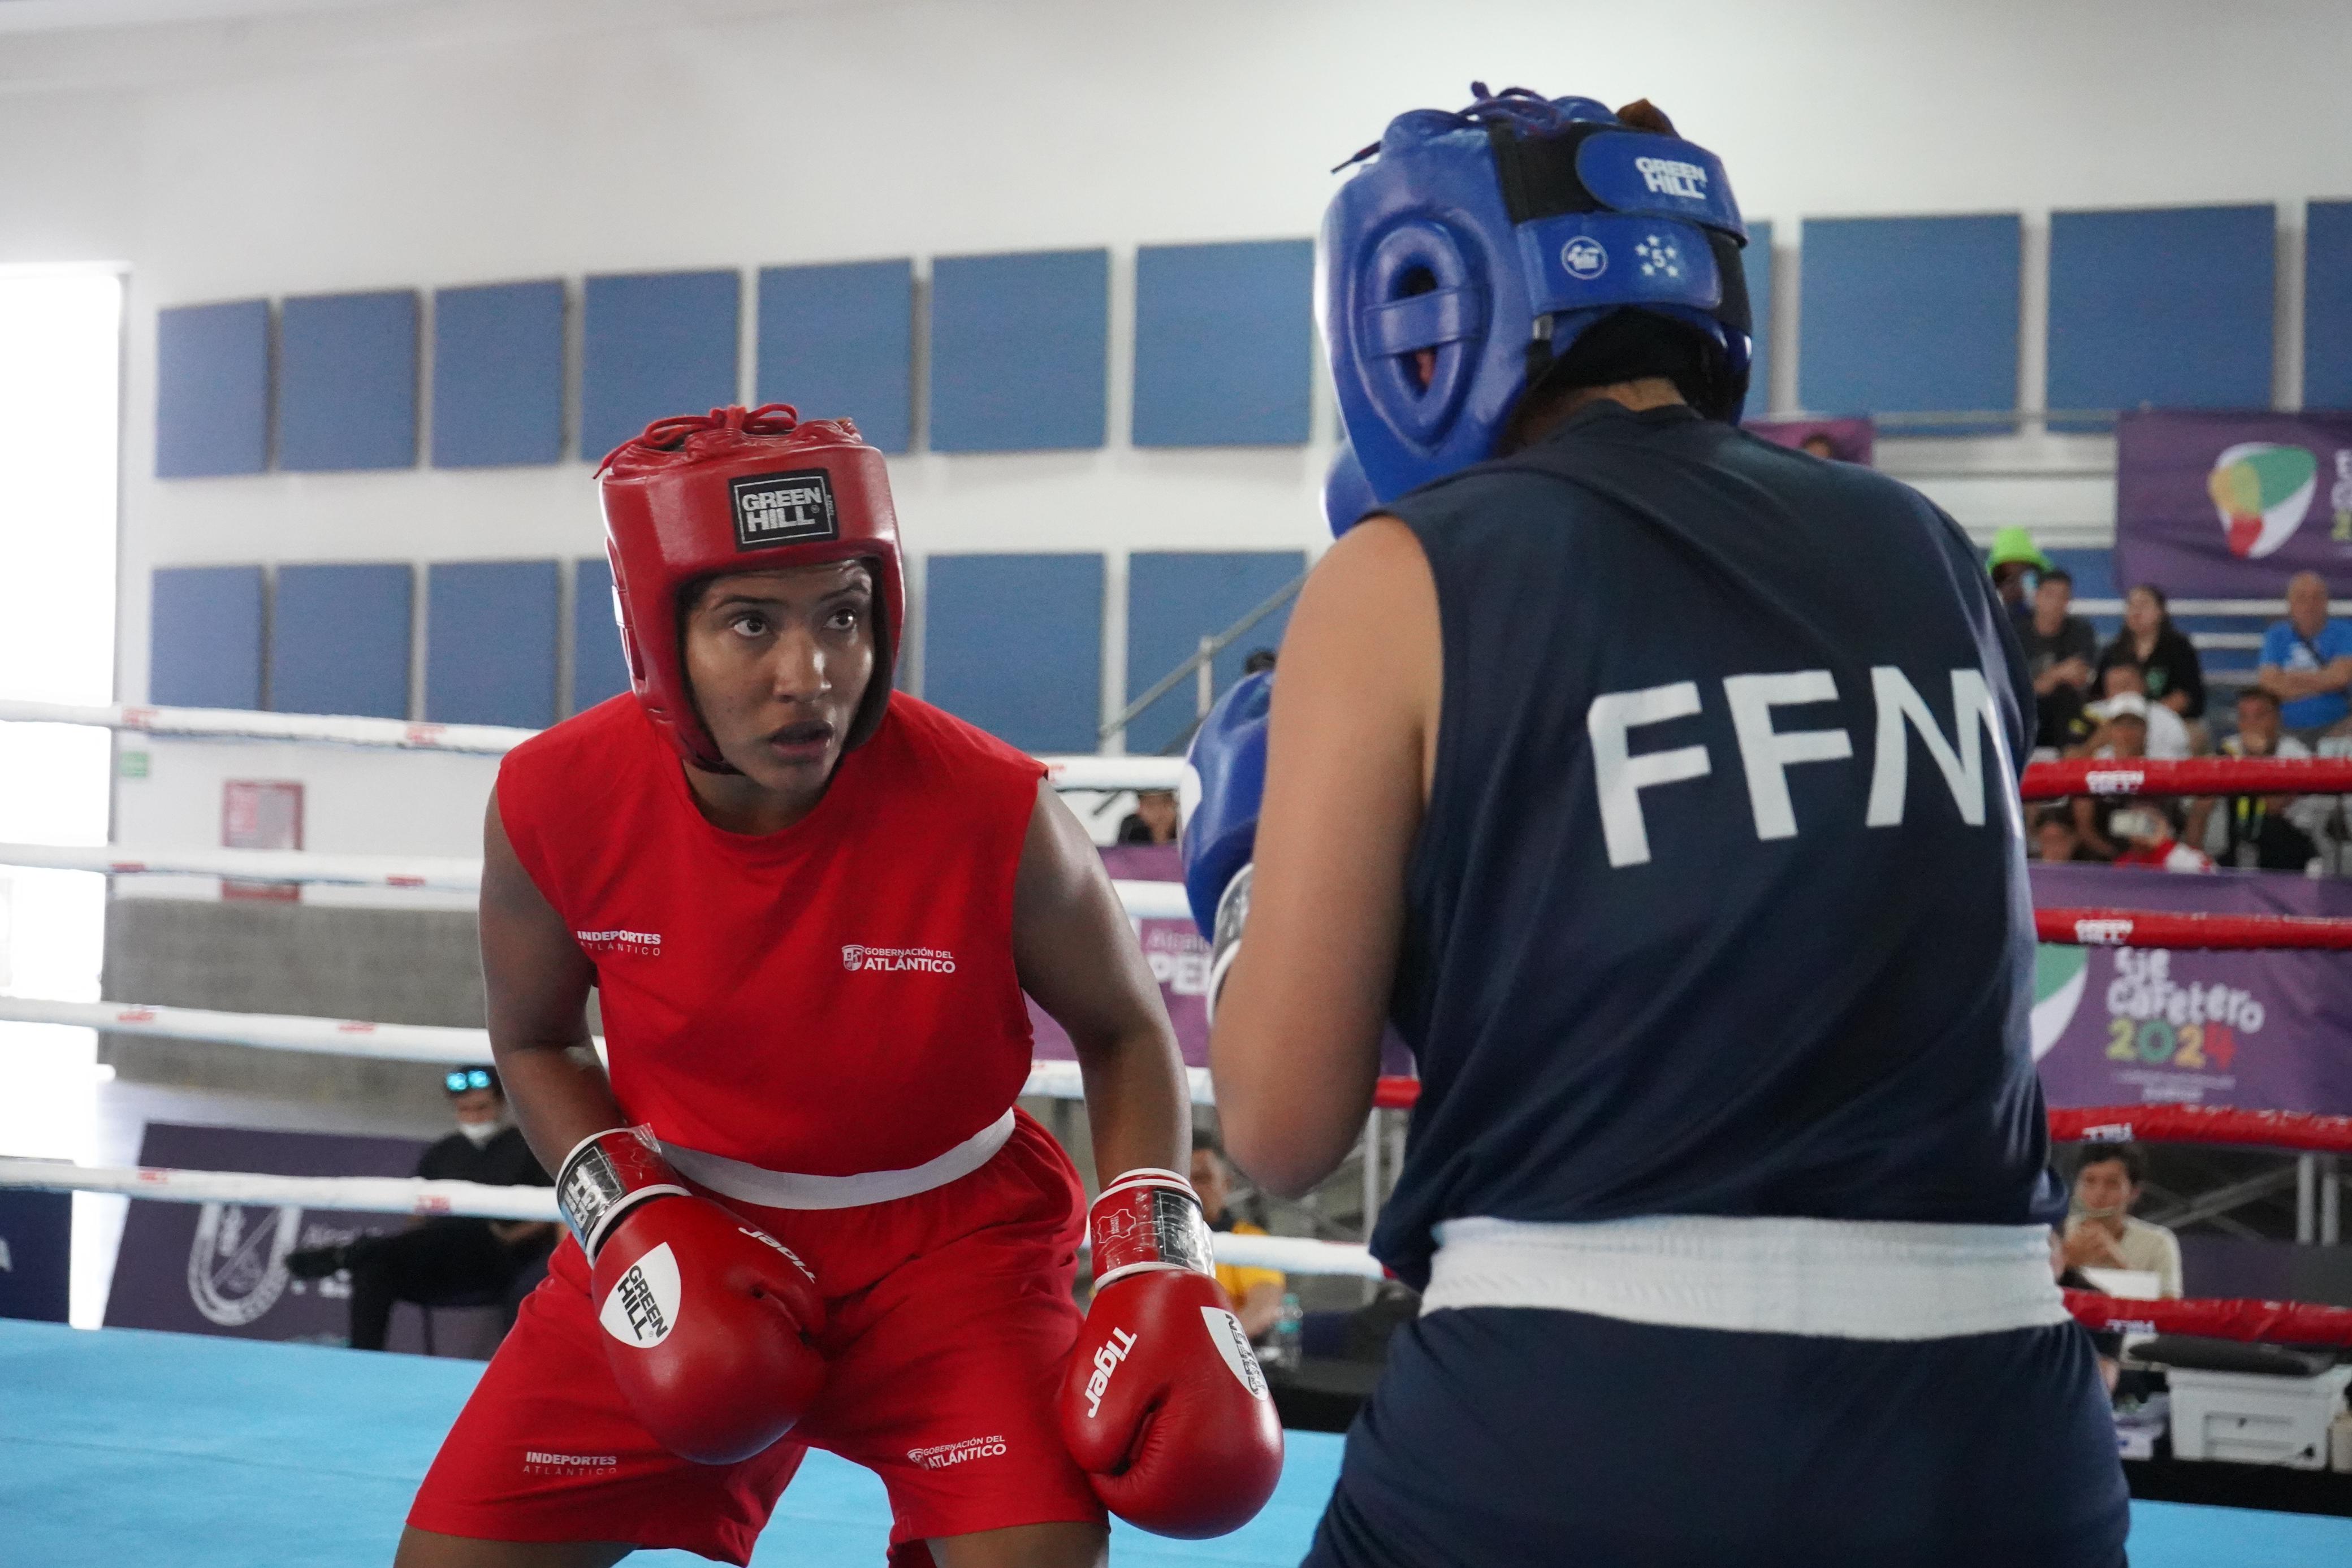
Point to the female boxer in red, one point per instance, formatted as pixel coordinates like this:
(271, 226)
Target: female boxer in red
(805, 1211)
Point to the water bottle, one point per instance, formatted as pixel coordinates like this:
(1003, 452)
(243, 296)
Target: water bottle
(1282, 1346)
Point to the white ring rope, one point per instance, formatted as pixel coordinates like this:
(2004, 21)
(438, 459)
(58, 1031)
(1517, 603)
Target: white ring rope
(385, 1195)
(394, 1195)
(1104, 774)
(444, 873)
(237, 724)
(386, 1041)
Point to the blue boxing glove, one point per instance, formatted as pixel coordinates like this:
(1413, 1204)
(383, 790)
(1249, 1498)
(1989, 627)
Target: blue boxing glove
(1224, 783)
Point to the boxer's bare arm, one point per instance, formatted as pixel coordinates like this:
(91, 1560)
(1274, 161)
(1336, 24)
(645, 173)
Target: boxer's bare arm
(1296, 1045)
(1077, 955)
(537, 979)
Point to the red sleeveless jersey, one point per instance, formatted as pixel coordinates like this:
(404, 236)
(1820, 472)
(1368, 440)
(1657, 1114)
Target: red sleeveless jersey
(834, 998)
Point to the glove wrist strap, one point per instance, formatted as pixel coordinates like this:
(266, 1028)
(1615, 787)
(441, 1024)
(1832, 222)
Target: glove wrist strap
(606, 1175)
(1147, 1220)
(1225, 936)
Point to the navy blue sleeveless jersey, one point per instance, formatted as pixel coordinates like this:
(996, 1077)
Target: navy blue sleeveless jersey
(1719, 906)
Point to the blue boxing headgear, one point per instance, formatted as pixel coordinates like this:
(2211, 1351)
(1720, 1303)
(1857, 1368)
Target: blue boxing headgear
(1496, 237)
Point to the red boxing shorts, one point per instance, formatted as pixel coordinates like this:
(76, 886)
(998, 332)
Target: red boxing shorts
(951, 1317)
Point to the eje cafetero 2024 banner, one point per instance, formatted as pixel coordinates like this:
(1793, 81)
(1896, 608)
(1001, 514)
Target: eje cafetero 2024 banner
(2229, 506)
(2260, 1031)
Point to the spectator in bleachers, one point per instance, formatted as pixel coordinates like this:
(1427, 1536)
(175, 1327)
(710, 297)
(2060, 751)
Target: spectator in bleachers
(1256, 1293)
(2307, 660)
(2265, 833)
(2014, 559)
(2147, 836)
(2060, 652)
(448, 1260)
(2055, 835)
(2167, 732)
(1153, 821)
(2102, 1233)
(2174, 677)
(2121, 735)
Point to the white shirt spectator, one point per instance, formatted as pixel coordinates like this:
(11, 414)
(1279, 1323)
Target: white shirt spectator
(2148, 1248)
(2167, 732)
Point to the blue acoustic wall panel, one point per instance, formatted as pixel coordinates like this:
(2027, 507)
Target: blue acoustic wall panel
(1757, 262)
(1225, 348)
(1018, 346)
(338, 639)
(655, 344)
(212, 390)
(2163, 308)
(599, 668)
(489, 642)
(1174, 599)
(498, 374)
(2328, 306)
(203, 644)
(1909, 315)
(347, 382)
(840, 339)
(1033, 678)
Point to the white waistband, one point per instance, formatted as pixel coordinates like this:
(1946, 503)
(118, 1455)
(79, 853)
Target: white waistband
(1831, 1279)
(791, 1189)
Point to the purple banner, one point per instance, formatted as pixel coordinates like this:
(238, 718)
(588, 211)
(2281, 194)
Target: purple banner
(1850, 440)
(220, 1268)
(1178, 957)
(1180, 962)
(2262, 1031)
(2229, 506)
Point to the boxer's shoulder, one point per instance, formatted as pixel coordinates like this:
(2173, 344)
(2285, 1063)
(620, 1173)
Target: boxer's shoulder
(613, 728)
(935, 746)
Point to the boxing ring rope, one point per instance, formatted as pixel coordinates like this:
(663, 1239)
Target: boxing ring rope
(446, 1045)
(443, 874)
(2284, 1323)
(2306, 1131)
(238, 723)
(2041, 780)
(400, 1194)
(1142, 899)
(2281, 1323)
(1102, 774)
(2193, 776)
(441, 1044)
(2246, 1320)
(2146, 928)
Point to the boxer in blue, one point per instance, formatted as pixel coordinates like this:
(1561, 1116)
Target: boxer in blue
(1660, 785)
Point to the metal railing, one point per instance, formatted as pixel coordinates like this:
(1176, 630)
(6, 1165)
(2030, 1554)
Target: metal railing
(1199, 666)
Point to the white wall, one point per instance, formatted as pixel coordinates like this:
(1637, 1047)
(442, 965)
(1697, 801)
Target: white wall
(340, 146)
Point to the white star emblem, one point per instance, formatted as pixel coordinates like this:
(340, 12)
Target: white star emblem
(1658, 257)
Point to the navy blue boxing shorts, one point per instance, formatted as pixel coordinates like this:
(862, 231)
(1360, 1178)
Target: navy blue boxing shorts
(1515, 1435)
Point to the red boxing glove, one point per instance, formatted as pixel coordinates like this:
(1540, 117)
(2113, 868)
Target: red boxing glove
(707, 1317)
(1163, 1406)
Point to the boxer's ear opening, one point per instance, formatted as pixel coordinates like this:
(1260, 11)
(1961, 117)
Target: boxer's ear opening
(1421, 364)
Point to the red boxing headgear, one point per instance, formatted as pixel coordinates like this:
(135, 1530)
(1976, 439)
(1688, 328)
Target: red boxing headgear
(701, 495)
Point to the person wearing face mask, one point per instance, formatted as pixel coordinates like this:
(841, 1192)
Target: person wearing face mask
(450, 1257)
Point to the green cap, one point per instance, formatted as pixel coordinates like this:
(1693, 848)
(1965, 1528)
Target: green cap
(2015, 544)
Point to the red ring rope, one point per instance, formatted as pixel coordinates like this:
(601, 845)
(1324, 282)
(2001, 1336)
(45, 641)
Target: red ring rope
(2194, 776)
(2274, 1323)
(2301, 1130)
(2155, 928)
(2304, 1129)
